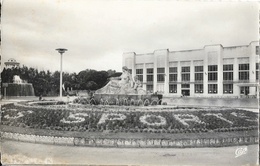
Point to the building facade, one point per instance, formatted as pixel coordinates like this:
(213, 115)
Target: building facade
(214, 71)
(12, 63)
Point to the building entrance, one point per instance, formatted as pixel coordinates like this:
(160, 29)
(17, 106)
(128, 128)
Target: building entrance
(244, 90)
(185, 92)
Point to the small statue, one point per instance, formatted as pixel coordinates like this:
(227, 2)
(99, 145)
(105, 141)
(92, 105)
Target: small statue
(123, 85)
(118, 85)
(138, 86)
(137, 83)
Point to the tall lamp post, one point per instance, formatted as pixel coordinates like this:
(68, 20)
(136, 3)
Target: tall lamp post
(61, 51)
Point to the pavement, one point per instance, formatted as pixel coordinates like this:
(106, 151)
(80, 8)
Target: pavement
(250, 104)
(29, 153)
(188, 101)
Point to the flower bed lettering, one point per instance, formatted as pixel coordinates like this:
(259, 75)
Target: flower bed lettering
(153, 120)
(74, 118)
(184, 118)
(128, 119)
(111, 117)
(218, 115)
(243, 116)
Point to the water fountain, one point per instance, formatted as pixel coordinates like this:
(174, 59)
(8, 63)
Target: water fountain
(19, 87)
(126, 89)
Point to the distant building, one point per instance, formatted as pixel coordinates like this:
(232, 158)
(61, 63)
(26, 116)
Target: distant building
(214, 71)
(11, 63)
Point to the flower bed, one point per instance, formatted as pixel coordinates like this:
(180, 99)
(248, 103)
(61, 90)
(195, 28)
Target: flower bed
(129, 119)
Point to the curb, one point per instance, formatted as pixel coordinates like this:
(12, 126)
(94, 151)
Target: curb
(132, 143)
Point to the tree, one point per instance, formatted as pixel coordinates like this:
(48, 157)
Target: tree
(91, 85)
(47, 83)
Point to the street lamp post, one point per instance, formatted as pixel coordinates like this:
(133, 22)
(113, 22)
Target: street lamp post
(61, 51)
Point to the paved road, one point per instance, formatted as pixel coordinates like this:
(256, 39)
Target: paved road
(20, 152)
(229, 102)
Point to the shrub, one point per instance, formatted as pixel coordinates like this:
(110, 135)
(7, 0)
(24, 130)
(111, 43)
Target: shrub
(164, 103)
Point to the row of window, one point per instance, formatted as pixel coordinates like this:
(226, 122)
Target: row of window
(199, 74)
(198, 88)
(212, 88)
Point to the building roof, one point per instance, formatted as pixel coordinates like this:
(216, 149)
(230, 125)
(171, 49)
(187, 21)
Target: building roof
(197, 49)
(11, 61)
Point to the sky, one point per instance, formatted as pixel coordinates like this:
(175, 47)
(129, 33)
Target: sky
(97, 33)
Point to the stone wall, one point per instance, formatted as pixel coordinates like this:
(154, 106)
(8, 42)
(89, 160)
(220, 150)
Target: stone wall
(132, 143)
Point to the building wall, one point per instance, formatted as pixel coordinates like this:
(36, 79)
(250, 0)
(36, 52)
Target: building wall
(210, 57)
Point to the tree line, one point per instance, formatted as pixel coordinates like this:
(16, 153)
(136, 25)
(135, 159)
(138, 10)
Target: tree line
(47, 83)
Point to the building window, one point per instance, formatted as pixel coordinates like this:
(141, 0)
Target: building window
(213, 88)
(173, 70)
(228, 67)
(198, 76)
(149, 71)
(139, 73)
(257, 50)
(244, 66)
(213, 68)
(227, 75)
(244, 75)
(149, 78)
(173, 88)
(149, 88)
(160, 74)
(228, 88)
(185, 73)
(160, 78)
(149, 75)
(173, 76)
(213, 76)
(198, 73)
(185, 77)
(228, 72)
(198, 68)
(198, 88)
(160, 70)
(185, 69)
(257, 71)
(213, 72)
(243, 71)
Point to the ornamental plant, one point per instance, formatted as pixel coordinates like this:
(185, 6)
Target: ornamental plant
(127, 118)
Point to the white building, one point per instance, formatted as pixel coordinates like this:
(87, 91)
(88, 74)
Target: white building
(214, 71)
(12, 63)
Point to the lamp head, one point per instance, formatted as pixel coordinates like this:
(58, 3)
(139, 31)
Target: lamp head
(61, 50)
